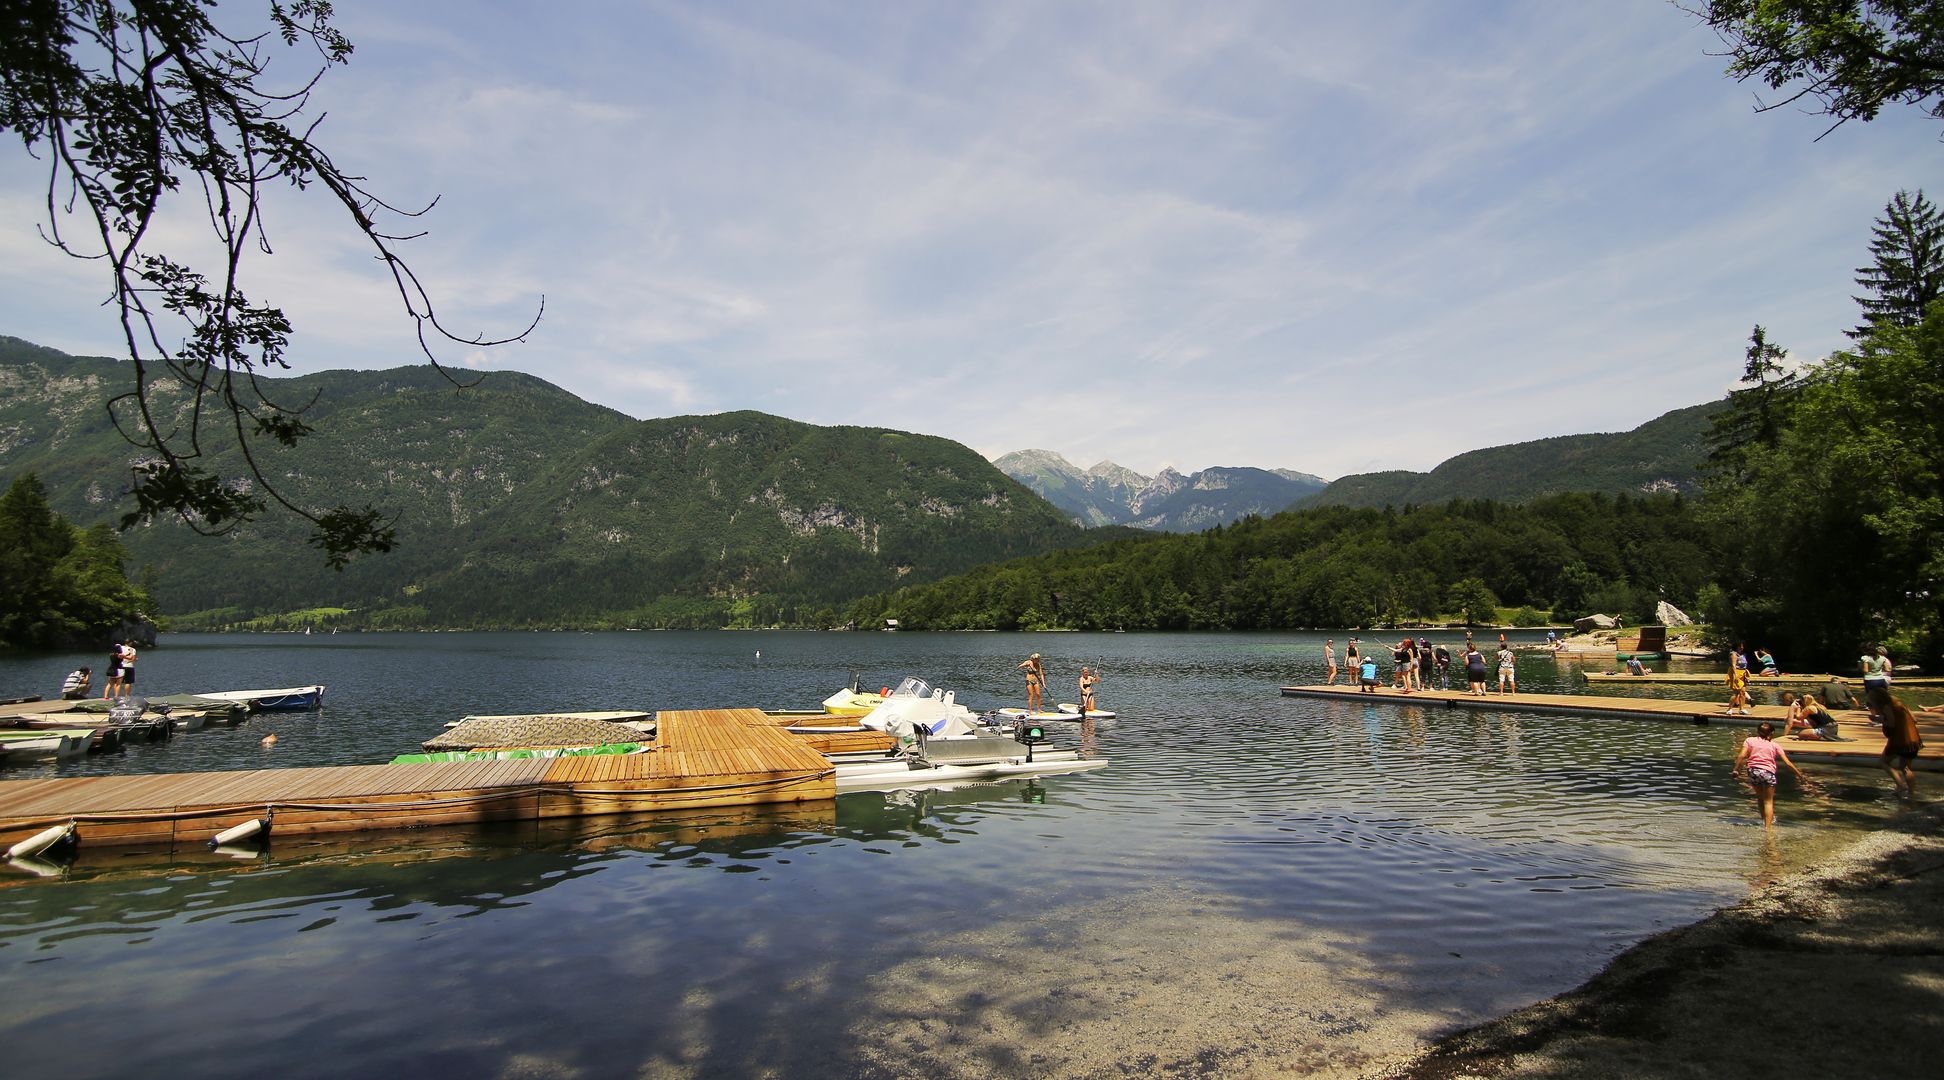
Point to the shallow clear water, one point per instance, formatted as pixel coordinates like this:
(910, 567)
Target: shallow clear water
(1256, 883)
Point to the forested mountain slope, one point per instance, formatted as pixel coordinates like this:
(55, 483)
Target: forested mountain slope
(520, 504)
(1664, 454)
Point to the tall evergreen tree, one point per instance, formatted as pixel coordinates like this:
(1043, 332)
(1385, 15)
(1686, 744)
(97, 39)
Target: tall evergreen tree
(1906, 272)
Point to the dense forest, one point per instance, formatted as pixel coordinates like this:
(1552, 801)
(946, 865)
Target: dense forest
(1819, 532)
(1337, 566)
(59, 585)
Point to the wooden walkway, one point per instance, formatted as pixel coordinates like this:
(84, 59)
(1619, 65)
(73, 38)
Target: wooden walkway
(1720, 678)
(701, 758)
(1862, 743)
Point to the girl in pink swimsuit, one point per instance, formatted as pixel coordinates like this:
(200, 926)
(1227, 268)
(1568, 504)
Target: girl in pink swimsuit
(1758, 760)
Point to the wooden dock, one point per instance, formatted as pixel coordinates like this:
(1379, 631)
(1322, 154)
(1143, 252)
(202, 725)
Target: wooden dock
(1720, 678)
(1862, 744)
(701, 758)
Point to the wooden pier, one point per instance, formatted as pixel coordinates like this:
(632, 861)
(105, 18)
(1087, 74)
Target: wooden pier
(1720, 678)
(701, 758)
(1862, 745)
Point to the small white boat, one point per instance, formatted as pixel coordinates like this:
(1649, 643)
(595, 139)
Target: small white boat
(41, 745)
(285, 699)
(941, 742)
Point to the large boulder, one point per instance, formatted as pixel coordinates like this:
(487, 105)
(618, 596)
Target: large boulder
(1669, 615)
(1595, 622)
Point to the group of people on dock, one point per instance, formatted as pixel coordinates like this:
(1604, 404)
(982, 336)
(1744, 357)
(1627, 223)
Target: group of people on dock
(120, 680)
(1761, 758)
(1415, 663)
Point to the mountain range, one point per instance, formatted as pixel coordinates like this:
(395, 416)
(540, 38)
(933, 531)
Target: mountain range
(1109, 494)
(520, 504)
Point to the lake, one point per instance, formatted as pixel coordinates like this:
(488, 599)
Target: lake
(1256, 884)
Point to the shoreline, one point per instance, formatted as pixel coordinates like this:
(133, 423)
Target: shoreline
(1834, 970)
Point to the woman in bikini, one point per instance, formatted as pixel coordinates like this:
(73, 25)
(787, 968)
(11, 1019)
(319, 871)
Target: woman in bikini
(1035, 679)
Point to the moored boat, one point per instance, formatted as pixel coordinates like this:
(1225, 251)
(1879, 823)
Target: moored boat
(285, 699)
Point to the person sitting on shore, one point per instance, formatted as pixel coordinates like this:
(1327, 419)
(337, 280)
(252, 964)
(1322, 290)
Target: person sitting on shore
(1811, 721)
(75, 686)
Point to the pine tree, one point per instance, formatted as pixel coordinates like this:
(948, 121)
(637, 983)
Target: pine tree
(1908, 272)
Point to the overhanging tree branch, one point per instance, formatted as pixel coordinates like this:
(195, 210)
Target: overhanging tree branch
(129, 98)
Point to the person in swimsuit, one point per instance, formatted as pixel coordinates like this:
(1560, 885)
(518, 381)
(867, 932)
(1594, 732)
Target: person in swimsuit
(1475, 672)
(1329, 657)
(1757, 763)
(1812, 721)
(1765, 663)
(1088, 680)
(1035, 680)
(1901, 742)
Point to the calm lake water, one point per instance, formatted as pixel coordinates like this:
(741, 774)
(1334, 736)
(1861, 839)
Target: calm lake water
(1256, 883)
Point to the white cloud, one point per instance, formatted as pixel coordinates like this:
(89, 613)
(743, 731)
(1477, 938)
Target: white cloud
(1260, 234)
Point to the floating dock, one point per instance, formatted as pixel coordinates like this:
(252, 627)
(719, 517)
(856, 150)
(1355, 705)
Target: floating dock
(1720, 679)
(701, 758)
(1862, 743)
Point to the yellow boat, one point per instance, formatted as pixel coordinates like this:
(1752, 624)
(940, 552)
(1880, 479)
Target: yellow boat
(852, 701)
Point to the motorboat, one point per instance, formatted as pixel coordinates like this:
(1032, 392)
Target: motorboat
(943, 742)
(852, 700)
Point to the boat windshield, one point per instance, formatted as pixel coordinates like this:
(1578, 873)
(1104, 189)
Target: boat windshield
(912, 687)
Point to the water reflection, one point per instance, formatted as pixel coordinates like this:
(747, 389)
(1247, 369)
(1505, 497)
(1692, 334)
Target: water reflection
(1255, 884)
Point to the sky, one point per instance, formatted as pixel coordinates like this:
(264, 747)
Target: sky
(1325, 237)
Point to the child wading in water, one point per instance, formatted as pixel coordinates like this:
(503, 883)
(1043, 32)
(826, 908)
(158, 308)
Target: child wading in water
(1759, 756)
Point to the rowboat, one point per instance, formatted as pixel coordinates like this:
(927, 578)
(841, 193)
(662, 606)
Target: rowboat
(40, 745)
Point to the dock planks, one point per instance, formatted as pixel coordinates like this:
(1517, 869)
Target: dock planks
(701, 758)
(1862, 746)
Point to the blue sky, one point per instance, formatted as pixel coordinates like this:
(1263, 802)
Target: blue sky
(1287, 235)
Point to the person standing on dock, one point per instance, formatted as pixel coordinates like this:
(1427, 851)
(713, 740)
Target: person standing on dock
(1443, 657)
(1757, 761)
(1035, 681)
(1737, 691)
(1877, 670)
(1475, 671)
(1329, 657)
(1508, 666)
(1353, 660)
